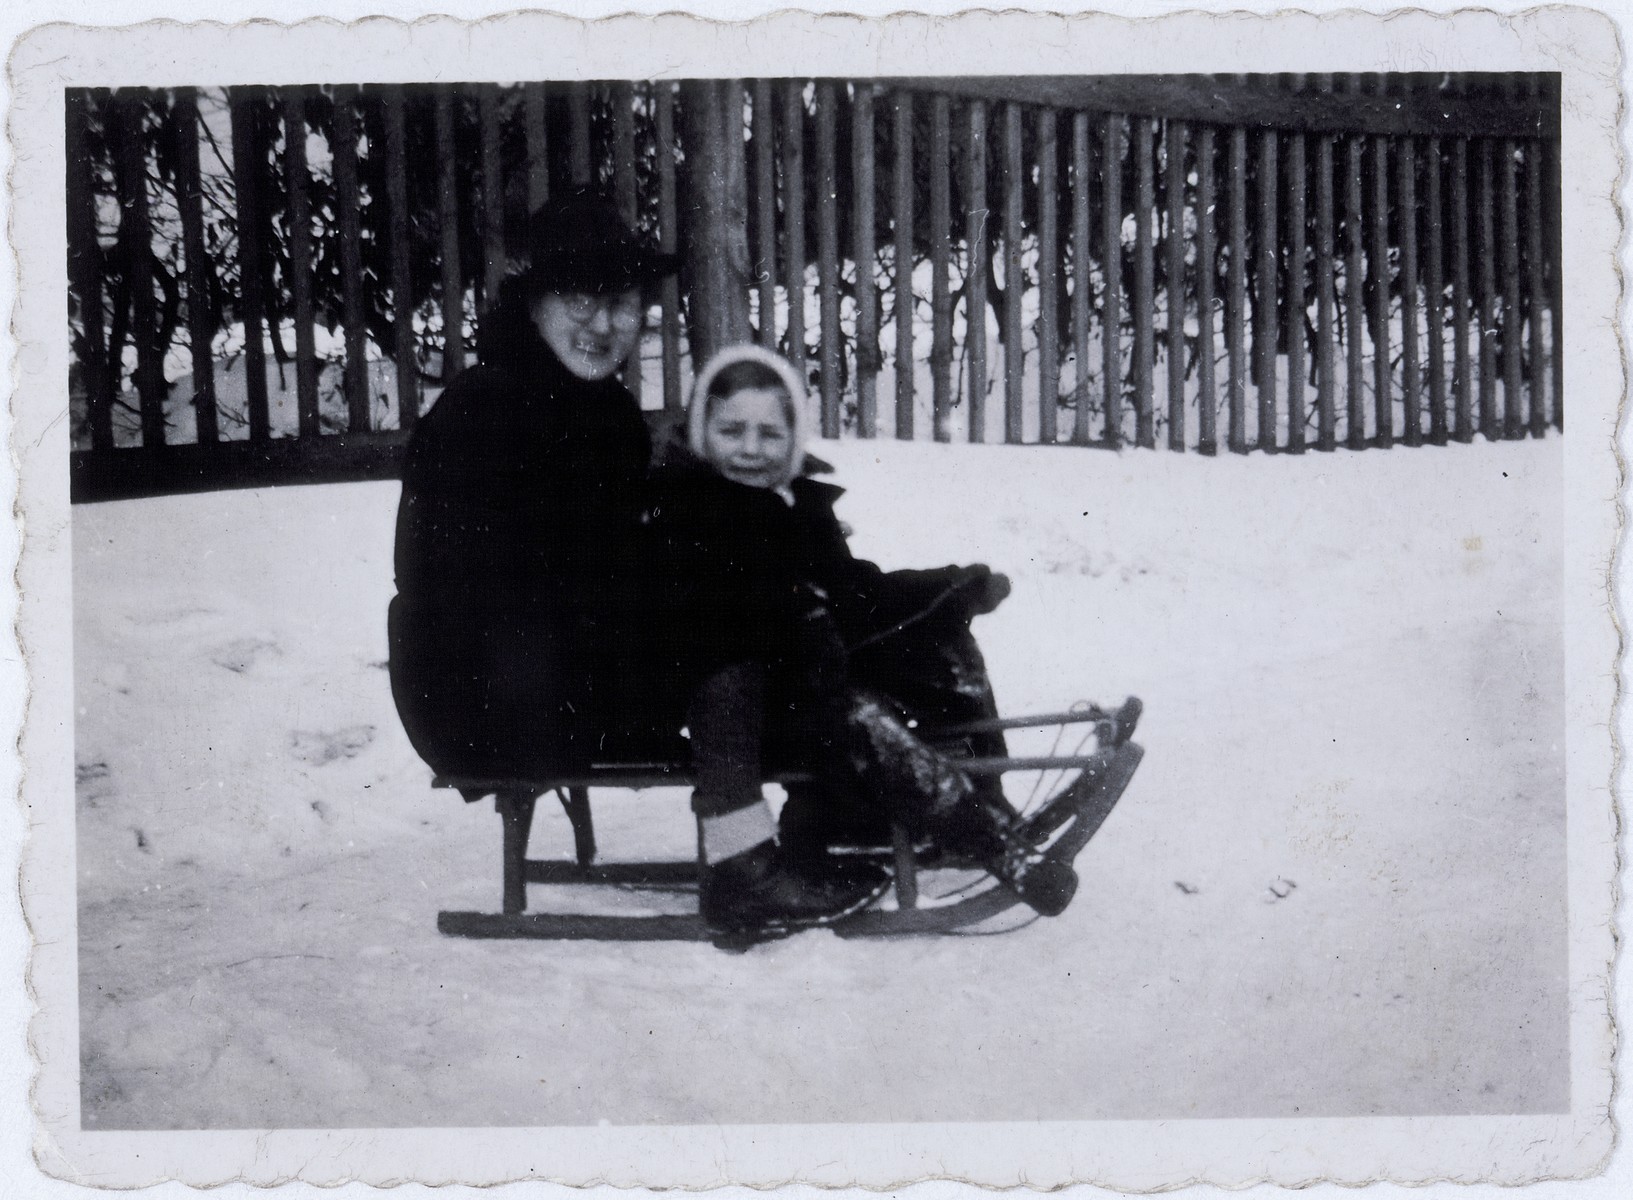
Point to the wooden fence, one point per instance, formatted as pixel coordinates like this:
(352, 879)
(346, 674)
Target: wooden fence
(1251, 263)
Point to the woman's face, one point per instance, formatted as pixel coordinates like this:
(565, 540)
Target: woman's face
(747, 437)
(592, 335)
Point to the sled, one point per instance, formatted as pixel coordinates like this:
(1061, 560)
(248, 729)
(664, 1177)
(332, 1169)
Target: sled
(1103, 775)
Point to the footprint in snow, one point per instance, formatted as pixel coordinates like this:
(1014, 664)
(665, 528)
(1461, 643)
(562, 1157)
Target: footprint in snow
(320, 748)
(1280, 890)
(240, 655)
(85, 772)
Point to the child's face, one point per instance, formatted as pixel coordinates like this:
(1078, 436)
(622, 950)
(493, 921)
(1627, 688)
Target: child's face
(747, 437)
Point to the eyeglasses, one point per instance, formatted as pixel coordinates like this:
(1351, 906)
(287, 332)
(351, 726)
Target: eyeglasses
(624, 310)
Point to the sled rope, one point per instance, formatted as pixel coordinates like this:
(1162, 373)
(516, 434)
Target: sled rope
(911, 619)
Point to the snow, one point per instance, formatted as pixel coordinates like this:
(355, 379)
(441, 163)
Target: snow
(1336, 886)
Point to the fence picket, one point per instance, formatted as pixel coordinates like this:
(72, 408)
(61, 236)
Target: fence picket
(1535, 290)
(1507, 187)
(1462, 383)
(1082, 432)
(1207, 268)
(398, 224)
(793, 190)
(136, 238)
(248, 168)
(668, 240)
(453, 285)
(828, 256)
(1174, 137)
(200, 319)
(1487, 224)
(902, 264)
(1354, 299)
(1326, 298)
(621, 98)
(1265, 326)
(1236, 293)
(764, 139)
(1434, 286)
(1048, 333)
(493, 195)
(975, 269)
(1111, 236)
(1298, 249)
(1145, 342)
(85, 268)
(536, 131)
(1014, 280)
(1412, 390)
(348, 191)
(581, 162)
(1556, 289)
(941, 303)
(866, 357)
(1378, 280)
(297, 183)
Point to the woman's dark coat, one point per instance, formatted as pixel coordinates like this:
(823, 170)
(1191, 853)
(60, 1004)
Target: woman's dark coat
(514, 633)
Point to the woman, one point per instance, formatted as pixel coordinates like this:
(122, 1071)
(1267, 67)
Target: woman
(521, 634)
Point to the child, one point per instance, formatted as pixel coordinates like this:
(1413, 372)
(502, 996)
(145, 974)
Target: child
(759, 571)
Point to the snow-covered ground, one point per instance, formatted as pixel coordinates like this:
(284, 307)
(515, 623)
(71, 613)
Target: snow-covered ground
(1337, 885)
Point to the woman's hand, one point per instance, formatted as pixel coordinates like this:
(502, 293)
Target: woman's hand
(984, 588)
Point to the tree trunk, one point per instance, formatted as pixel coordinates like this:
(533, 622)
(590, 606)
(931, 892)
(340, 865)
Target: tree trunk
(714, 199)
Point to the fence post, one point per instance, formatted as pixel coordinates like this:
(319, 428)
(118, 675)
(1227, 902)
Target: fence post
(941, 303)
(247, 172)
(1111, 311)
(1265, 323)
(975, 270)
(453, 277)
(668, 239)
(136, 238)
(715, 195)
(902, 228)
(200, 316)
(398, 250)
(297, 182)
(862, 253)
(827, 203)
(85, 270)
(1048, 276)
(793, 190)
(348, 191)
(765, 213)
(1434, 285)
(1207, 269)
(1173, 184)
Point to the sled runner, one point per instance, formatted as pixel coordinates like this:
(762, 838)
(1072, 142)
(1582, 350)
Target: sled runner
(1074, 816)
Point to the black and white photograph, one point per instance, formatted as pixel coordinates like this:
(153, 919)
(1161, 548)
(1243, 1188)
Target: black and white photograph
(674, 580)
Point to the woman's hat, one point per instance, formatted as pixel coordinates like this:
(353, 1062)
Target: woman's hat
(579, 242)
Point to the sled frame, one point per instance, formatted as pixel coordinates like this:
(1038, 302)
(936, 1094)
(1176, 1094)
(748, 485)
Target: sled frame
(1105, 774)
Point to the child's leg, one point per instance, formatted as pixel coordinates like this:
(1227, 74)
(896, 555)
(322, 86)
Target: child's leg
(726, 719)
(936, 674)
(927, 793)
(746, 883)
